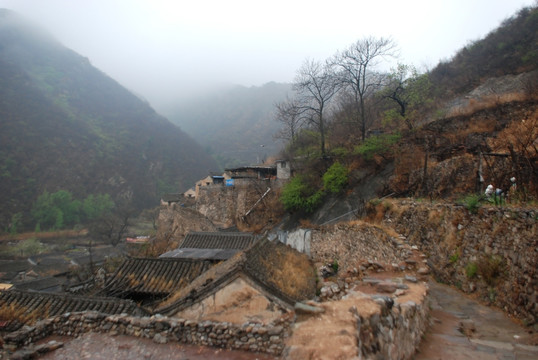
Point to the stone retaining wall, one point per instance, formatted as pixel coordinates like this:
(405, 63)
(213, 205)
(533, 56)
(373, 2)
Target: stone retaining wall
(493, 252)
(394, 333)
(249, 336)
(375, 327)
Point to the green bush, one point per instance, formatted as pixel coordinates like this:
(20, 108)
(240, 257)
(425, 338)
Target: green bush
(472, 203)
(340, 152)
(95, 206)
(335, 179)
(471, 270)
(297, 195)
(55, 211)
(28, 247)
(335, 265)
(377, 145)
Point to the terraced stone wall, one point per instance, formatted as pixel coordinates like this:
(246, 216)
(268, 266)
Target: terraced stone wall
(492, 252)
(248, 336)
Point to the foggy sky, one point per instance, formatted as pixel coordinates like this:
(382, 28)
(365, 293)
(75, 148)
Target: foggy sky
(166, 50)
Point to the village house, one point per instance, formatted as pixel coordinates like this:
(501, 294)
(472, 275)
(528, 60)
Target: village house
(171, 198)
(280, 170)
(252, 279)
(262, 283)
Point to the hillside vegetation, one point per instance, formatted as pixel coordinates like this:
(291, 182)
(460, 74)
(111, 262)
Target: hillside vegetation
(443, 134)
(64, 125)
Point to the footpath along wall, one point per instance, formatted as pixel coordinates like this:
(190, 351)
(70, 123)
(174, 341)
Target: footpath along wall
(492, 252)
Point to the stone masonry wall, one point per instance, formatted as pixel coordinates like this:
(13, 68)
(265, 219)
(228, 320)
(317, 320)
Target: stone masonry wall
(493, 252)
(374, 327)
(249, 336)
(225, 205)
(175, 221)
(392, 334)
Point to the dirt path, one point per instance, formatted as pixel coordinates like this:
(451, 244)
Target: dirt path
(103, 346)
(495, 336)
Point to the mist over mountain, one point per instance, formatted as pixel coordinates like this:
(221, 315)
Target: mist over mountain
(235, 125)
(66, 125)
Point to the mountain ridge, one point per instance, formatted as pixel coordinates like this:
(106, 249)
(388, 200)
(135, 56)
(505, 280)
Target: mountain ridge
(66, 125)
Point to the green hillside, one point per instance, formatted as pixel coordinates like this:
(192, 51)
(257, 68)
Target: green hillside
(446, 133)
(66, 125)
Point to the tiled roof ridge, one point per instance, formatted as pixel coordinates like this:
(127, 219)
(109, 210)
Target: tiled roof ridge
(216, 233)
(217, 240)
(159, 259)
(64, 296)
(158, 276)
(40, 305)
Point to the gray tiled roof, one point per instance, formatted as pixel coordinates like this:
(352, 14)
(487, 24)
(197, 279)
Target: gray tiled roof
(43, 305)
(50, 283)
(157, 277)
(208, 254)
(217, 240)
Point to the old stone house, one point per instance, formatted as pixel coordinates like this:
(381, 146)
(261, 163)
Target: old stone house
(191, 193)
(171, 198)
(260, 284)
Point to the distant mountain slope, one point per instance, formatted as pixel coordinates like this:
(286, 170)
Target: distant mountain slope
(66, 125)
(236, 125)
(511, 48)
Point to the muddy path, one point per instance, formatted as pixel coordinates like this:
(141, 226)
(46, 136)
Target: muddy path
(462, 328)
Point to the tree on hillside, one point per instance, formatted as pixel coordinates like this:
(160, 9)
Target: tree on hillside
(54, 211)
(291, 115)
(315, 85)
(95, 206)
(408, 90)
(355, 71)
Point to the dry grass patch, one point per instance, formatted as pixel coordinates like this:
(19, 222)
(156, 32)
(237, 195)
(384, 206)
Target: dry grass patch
(13, 313)
(290, 271)
(436, 217)
(488, 102)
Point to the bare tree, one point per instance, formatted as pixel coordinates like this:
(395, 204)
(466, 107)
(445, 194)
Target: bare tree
(112, 226)
(355, 70)
(315, 85)
(291, 115)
